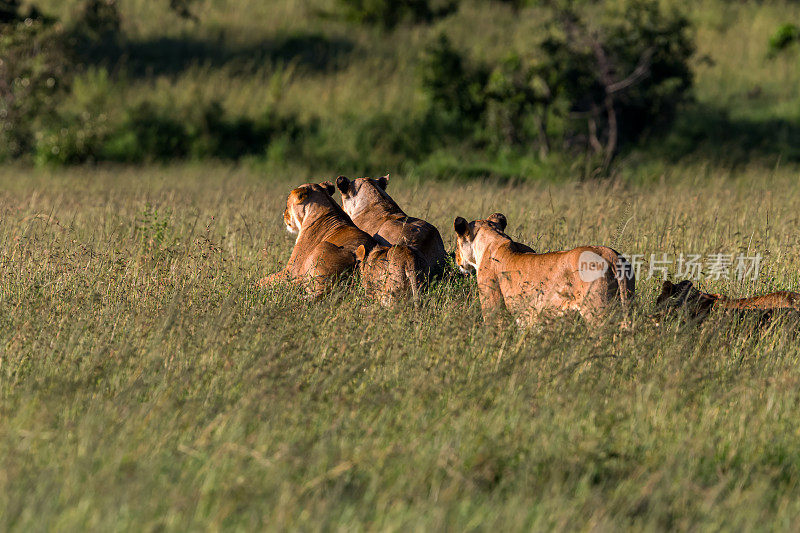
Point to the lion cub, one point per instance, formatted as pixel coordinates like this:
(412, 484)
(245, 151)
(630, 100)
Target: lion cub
(392, 273)
(697, 304)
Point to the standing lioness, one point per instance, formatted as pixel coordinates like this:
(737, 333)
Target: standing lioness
(589, 279)
(374, 211)
(326, 239)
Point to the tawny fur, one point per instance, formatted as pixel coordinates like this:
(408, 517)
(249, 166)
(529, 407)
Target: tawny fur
(365, 200)
(698, 304)
(326, 240)
(514, 279)
(392, 274)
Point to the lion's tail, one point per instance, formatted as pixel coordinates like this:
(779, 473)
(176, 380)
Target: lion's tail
(418, 272)
(411, 273)
(626, 281)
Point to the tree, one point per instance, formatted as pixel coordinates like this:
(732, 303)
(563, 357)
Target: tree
(623, 76)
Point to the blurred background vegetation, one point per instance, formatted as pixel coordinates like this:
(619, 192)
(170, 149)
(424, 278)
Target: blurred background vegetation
(438, 88)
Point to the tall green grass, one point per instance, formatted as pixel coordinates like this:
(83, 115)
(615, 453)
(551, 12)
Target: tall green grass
(146, 384)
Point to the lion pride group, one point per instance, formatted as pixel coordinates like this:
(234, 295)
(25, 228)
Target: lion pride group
(397, 255)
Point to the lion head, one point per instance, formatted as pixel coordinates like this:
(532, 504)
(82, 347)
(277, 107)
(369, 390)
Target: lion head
(684, 295)
(301, 200)
(361, 193)
(466, 232)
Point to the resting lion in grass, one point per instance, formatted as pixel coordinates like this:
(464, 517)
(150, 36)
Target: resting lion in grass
(326, 240)
(391, 274)
(590, 280)
(365, 200)
(697, 304)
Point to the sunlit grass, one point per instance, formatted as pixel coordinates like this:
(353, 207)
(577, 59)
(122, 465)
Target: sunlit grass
(145, 383)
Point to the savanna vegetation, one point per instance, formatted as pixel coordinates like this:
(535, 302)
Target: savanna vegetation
(148, 148)
(146, 383)
(514, 90)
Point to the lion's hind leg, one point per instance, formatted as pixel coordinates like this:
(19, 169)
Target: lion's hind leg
(325, 266)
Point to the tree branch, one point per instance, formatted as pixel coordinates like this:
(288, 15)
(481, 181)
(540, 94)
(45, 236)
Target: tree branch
(641, 71)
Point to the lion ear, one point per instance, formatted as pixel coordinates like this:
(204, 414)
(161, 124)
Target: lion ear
(343, 184)
(328, 186)
(301, 194)
(666, 287)
(361, 252)
(499, 219)
(383, 181)
(460, 225)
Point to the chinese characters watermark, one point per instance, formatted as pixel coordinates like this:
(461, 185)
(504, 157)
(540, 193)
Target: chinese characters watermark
(714, 266)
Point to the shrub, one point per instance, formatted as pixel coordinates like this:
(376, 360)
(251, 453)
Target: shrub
(38, 61)
(35, 70)
(456, 87)
(501, 105)
(783, 37)
(147, 132)
(516, 105)
(100, 18)
(622, 76)
(390, 140)
(212, 133)
(607, 82)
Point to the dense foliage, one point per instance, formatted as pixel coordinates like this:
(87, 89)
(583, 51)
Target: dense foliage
(568, 87)
(611, 81)
(34, 75)
(786, 35)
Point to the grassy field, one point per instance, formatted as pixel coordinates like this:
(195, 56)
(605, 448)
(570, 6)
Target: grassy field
(146, 385)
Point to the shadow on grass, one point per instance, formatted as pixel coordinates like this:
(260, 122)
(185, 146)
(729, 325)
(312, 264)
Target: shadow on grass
(171, 56)
(711, 133)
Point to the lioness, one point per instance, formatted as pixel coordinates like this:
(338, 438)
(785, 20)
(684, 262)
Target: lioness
(392, 273)
(511, 277)
(326, 239)
(374, 211)
(697, 304)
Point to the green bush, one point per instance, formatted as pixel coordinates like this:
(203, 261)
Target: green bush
(456, 87)
(391, 140)
(621, 74)
(497, 106)
(783, 37)
(606, 80)
(147, 132)
(75, 130)
(516, 105)
(39, 59)
(99, 18)
(79, 140)
(35, 70)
